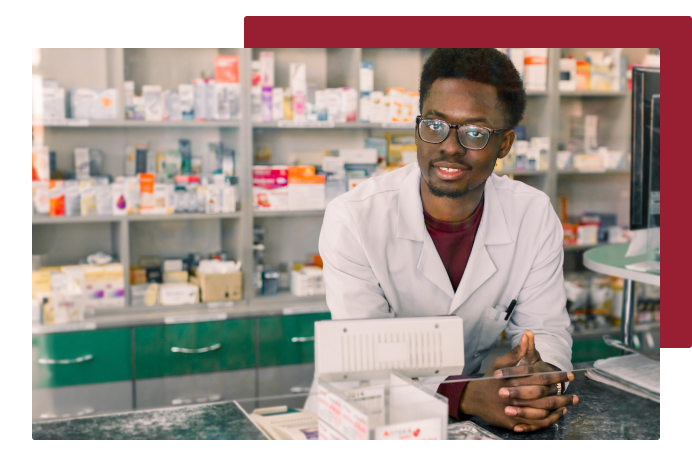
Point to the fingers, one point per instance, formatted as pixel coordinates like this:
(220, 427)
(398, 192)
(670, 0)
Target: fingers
(527, 413)
(528, 392)
(540, 379)
(512, 357)
(523, 369)
(532, 355)
(553, 402)
(534, 425)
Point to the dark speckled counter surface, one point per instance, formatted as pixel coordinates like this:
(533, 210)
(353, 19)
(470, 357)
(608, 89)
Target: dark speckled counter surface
(603, 412)
(211, 421)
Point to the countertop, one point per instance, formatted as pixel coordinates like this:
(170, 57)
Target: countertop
(603, 412)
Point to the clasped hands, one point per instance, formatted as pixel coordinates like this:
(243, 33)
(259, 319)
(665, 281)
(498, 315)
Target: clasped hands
(521, 404)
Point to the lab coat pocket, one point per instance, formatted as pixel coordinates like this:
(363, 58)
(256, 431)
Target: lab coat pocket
(492, 324)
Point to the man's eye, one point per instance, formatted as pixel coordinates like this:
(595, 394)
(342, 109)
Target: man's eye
(473, 133)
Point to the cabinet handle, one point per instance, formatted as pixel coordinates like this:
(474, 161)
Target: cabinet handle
(307, 339)
(76, 360)
(300, 390)
(184, 350)
(87, 411)
(187, 401)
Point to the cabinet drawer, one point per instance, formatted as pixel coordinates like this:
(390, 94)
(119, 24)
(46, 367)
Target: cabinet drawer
(191, 348)
(84, 400)
(285, 385)
(288, 339)
(83, 357)
(196, 389)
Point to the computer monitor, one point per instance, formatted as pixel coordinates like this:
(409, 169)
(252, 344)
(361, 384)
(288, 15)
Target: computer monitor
(645, 187)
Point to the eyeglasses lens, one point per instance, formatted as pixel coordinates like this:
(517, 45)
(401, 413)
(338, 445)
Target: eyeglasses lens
(435, 131)
(473, 137)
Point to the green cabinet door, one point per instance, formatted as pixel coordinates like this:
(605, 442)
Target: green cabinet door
(288, 339)
(82, 357)
(191, 348)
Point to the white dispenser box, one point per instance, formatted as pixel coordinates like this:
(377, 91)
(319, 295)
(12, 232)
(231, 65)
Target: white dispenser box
(387, 408)
(367, 373)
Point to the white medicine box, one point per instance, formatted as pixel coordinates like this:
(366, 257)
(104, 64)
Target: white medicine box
(392, 407)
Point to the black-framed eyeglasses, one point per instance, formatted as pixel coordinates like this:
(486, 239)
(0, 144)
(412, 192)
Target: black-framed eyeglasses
(472, 137)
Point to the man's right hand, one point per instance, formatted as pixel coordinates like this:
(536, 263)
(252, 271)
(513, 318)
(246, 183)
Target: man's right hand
(482, 398)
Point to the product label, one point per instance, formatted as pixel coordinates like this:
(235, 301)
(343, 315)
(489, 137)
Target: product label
(422, 429)
(342, 416)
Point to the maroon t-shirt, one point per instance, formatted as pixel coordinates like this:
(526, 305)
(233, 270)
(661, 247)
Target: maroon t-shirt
(454, 242)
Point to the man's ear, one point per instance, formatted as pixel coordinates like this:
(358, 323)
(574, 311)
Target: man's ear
(508, 138)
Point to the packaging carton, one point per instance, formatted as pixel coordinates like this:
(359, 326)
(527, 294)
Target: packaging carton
(178, 294)
(144, 295)
(270, 187)
(306, 192)
(219, 287)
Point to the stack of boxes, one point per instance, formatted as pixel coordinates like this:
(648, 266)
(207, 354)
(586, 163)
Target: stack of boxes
(63, 294)
(184, 282)
(205, 99)
(154, 183)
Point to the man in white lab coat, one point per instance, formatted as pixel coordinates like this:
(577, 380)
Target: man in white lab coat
(447, 236)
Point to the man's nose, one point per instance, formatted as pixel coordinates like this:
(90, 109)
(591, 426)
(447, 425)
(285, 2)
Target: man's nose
(451, 145)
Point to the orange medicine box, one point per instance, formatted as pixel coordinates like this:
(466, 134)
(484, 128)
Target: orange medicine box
(146, 190)
(56, 192)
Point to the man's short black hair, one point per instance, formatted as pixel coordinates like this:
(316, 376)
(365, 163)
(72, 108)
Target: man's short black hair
(483, 65)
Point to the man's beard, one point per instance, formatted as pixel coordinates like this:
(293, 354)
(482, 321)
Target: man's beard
(441, 192)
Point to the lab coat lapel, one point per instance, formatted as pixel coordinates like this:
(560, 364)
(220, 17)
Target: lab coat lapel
(491, 231)
(479, 268)
(411, 225)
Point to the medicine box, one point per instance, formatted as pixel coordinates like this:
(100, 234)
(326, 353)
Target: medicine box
(93, 104)
(270, 187)
(307, 281)
(306, 192)
(219, 287)
(226, 69)
(178, 276)
(53, 104)
(393, 407)
(178, 294)
(144, 295)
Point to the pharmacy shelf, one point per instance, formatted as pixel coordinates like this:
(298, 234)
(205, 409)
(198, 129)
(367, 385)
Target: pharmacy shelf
(521, 172)
(596, 93)
(594, 172)
(139, 124)
(52, 220)
(330, 125)
(184, 216)
(287, 213)
(41, 220)
(284, 304)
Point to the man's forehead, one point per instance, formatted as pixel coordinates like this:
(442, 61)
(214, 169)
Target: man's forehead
(462, 98)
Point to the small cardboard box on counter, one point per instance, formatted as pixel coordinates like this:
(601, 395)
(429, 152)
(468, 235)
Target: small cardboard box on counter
(219, 287)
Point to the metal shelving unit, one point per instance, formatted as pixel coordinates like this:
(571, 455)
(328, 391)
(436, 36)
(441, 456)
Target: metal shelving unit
(326, 68)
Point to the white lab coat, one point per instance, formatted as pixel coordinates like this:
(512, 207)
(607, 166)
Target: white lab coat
(379, 261)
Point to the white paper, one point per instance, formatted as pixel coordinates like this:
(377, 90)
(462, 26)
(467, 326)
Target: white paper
(640, 241)
(635, 369)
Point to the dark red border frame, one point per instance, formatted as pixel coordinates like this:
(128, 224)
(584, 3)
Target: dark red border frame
(666, 33)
